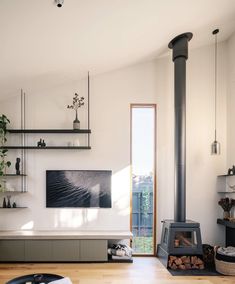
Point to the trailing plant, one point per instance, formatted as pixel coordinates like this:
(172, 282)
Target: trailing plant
(4, 121)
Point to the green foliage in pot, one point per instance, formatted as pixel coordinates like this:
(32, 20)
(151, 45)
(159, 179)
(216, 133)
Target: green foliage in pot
(4, 121)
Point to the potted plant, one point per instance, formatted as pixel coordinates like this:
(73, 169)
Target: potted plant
(77, 103)
(227, 205)
(4, 121)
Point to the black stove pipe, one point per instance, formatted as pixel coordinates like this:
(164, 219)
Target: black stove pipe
(179, 45)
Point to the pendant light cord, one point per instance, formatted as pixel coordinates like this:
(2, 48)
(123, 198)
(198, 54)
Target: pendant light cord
(216, 43)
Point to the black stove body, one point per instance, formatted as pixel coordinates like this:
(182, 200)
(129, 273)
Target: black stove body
(180, 236)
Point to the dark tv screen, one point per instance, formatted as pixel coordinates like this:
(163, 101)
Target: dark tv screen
(78, 188)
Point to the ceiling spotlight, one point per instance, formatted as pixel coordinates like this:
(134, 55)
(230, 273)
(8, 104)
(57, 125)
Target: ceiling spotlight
(59, 3)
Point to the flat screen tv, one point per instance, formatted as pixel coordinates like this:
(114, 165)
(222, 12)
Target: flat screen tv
(78, 188)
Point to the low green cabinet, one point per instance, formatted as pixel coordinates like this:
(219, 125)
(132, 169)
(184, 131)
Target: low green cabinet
(53, 250)
(12, 250)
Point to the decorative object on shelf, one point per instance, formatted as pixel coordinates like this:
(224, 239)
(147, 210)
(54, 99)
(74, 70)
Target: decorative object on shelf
(14, 205)
(4, 204)
(76, 143)
(77, 103)
(41, 143)
(59, 3)
(17, 166)
(231, 171)
(227, 205)
(215, 146)
(4, 122)
(8, 201)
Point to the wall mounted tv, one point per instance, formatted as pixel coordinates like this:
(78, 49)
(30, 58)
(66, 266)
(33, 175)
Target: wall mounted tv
(78, 188)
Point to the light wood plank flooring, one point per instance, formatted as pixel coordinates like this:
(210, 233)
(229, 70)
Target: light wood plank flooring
(144, 270)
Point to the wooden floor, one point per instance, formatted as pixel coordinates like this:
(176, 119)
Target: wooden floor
(143, 270)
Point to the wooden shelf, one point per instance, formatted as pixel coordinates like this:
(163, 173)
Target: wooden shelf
(72, 131)
(226, 175)
(48, 147)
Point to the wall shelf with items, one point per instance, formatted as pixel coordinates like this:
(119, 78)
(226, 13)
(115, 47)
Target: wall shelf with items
(49, 131)
(75, 131)
(14, 175)
(14, 190)
(226, 184)
(49, 147)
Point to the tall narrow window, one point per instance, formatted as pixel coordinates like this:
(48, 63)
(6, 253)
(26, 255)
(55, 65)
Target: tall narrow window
(143, 154)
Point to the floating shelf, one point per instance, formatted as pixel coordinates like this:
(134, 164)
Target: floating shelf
(12, 191)
(14, 175)
(225, 192)
(48, 147)
(72, 131)
(13, 208)
(226, 223)
(226, 175)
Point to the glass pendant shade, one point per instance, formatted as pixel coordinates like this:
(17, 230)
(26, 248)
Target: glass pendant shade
(215, 148)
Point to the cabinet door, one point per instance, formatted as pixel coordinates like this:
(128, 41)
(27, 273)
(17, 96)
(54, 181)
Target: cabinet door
(11, 250)
(38, 250)
(65, 250)
(93, 250)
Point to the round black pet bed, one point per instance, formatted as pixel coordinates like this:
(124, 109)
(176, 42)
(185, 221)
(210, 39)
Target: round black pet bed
(35, 278)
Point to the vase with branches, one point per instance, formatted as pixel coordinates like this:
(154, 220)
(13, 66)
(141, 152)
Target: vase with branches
(4, 164)
(77, 103)
(227, 205)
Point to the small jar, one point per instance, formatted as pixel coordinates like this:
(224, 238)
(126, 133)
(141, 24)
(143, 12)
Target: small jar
(227, 215)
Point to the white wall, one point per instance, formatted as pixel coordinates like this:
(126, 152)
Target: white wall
(231, 101)
(111, 95)
(231, 108)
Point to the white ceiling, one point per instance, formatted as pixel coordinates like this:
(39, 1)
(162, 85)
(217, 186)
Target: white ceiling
(42, 45)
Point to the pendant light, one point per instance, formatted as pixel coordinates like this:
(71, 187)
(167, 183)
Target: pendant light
(215, 146)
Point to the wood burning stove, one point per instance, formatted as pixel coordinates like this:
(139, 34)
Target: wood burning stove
(180, 236)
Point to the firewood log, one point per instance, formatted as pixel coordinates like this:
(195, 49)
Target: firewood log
(187, 265)
(178, 261)
(174, 266)
(201, 266)
(182, 267)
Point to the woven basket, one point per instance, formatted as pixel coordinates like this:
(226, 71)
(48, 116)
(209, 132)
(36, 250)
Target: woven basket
(226, 268)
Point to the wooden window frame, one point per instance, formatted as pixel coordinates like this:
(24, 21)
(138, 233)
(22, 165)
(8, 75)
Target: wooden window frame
(154, 107)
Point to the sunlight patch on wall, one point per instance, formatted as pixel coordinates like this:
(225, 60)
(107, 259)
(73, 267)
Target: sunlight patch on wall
(28, 226)
(74, 218)
(121, 191)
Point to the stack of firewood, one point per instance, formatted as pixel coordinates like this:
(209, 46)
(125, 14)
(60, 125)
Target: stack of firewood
(185, 262)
